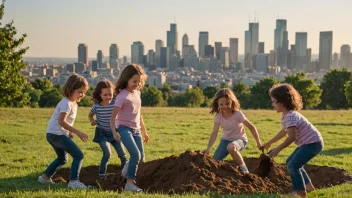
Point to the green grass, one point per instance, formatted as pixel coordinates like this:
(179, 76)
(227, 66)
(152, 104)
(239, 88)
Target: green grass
(24, 152)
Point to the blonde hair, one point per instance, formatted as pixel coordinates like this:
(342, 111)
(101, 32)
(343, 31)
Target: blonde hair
(127, 74)
(73, 83)
(224, 93)
(288, 95)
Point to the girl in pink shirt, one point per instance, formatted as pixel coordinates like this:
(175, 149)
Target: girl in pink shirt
(129, 126)
(287, 100)
(231, 119)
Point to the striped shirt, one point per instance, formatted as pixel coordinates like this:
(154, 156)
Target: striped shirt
(306, 133)
(103, 114)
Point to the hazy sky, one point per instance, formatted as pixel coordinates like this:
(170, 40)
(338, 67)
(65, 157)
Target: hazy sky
(56, 27)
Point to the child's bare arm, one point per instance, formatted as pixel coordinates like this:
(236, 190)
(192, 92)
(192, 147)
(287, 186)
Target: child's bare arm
(112, 123)
(254, 132)
(144, 130)
(277, 137)
(212, 138)
(291, 138)
(65, 125)
(91, 119)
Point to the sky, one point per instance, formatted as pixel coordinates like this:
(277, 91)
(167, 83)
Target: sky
(54, 28)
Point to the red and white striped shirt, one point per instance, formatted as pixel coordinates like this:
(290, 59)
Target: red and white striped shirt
(306, 133)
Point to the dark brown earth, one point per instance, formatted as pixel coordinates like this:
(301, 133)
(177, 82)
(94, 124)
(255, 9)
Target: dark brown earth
(196, 172)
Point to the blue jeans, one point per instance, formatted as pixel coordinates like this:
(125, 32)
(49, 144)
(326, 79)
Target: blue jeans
(297, 160)
(221, 152)
(132, 140)
(63, 145)
(105, 147)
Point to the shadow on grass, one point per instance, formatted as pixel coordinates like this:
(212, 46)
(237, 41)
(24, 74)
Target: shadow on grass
(331, 124)
(336, 151)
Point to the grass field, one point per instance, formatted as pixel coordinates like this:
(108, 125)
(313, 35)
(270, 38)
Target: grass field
(24, 152)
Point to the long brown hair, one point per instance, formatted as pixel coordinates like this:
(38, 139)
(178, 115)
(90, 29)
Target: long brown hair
(127, 74)
(288, 95)
(224, 93)
(96, 98)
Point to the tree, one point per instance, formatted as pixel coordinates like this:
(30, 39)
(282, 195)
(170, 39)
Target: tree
(42, 84)
(333, 86)
(210, 91)
(260, 98)
(12, 81)
(50, 98)
(194, 97)
(178, 101)
(348, 92)
(308, 89)
(152, 97)
(242, 93)
(167, 93)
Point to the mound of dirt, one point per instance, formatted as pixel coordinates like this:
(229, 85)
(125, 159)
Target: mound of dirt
(196, 172)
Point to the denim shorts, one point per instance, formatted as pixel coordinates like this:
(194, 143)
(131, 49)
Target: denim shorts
(221, 152)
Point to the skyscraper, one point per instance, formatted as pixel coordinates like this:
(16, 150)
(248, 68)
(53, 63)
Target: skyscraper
(224, 57)
(209, 52)
(301, 52)
(251, 43)
(172, 38)
(100, 57)
(281, 42)
(202, 42)
(184, 43)
(218, 46)
(261, 48)
(345, 56)
(151, 58)
(325, 50)
(158, 44)
(137, 52)
(114, 56)
(233, 53)
(164, 57)
(83, 53)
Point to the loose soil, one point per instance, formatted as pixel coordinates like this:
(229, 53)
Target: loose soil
(196, 172)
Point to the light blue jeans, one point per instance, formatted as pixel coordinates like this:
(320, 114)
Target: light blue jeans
(297, 160)
(105, 147)
(221, 152)
(132, 140)
(63, 145)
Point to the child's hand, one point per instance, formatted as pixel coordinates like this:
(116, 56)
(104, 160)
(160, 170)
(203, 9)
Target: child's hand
(93, 123)
(146, 137)
(274, 152)
(117, 136)
(206, 151)
(265, 146)
(82, 136)
(70, 135)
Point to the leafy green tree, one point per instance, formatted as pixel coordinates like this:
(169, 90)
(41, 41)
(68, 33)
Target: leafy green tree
(260, 98)
(50, 98)
(178, 100)
(152, 97)
(194, 97)
(242, 93)
(348, 92)
(167, 93)
(308, 89)
(12, 81)
(210, 91)
(333, 86)
(42, 84)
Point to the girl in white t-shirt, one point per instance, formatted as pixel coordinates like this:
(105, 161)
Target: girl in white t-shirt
(231, 119)
(60, 130)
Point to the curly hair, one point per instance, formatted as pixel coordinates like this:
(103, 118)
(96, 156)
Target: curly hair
(224, 93)
(127, 74)
(288, 95)
(101, 85)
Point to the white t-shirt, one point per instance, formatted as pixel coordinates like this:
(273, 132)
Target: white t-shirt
(64, 106)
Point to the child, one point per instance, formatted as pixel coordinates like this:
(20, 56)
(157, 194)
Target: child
(102, 97)
(129, 123)
(287, 100)
(60, 132)
(231, 119)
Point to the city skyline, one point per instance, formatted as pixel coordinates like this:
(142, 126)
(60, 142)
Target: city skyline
(64, 27)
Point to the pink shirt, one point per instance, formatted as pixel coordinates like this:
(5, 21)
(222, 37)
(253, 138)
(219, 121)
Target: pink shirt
(232, 129)
(130, 105)
(306, 133)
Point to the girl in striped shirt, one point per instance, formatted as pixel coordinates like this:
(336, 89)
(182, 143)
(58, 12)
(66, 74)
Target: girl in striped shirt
(102, 109)
(286, 99)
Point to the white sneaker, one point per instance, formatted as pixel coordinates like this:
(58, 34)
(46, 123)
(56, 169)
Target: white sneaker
(132, 187)
(77, 185)
(124, 170)
(45, 181)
